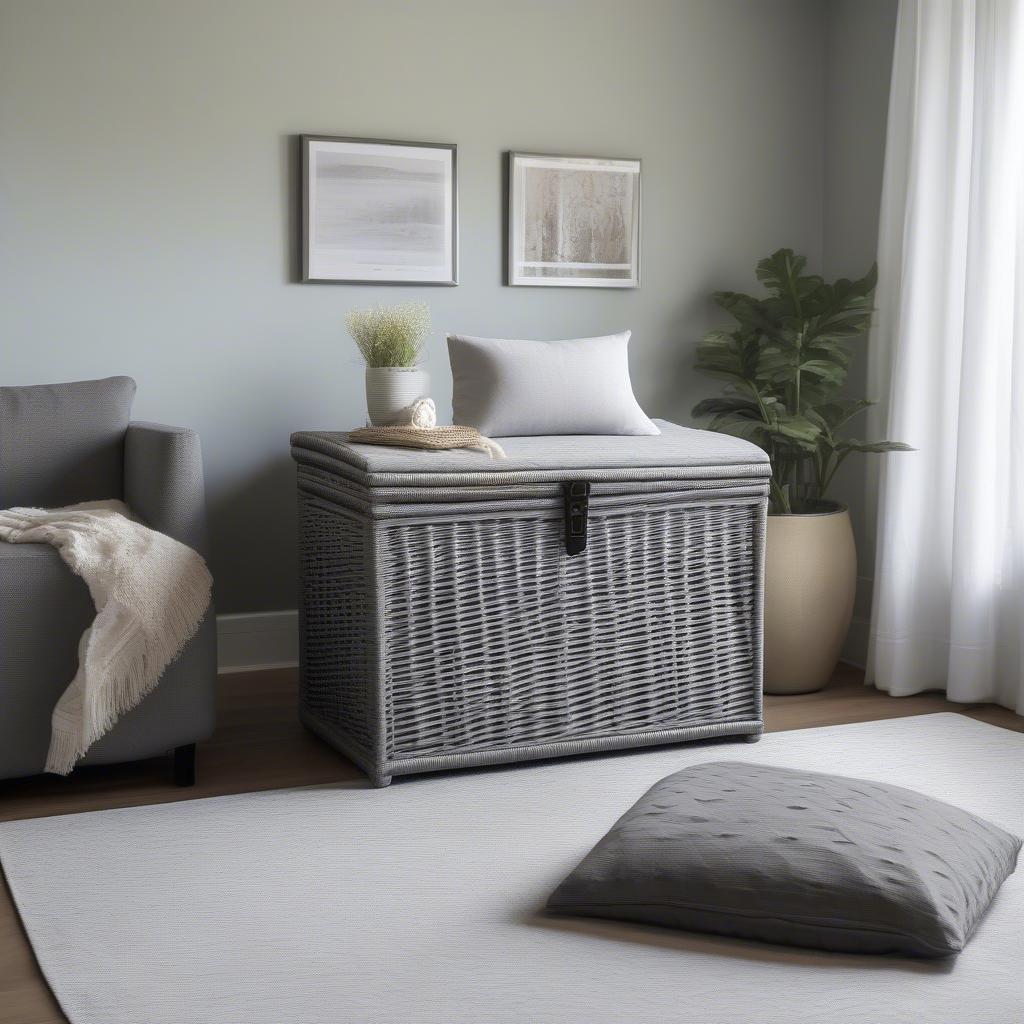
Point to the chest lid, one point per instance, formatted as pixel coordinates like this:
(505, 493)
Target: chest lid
(676, 453)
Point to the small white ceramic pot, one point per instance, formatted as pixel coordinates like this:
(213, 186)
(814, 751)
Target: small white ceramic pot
(810, 575)
(392, 389)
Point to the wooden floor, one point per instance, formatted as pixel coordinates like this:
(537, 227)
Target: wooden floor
(259, 744)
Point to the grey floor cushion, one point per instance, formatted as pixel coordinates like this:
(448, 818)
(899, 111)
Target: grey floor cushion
(795, 857)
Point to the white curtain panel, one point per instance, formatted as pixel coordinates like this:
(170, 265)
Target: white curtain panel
(948, 353)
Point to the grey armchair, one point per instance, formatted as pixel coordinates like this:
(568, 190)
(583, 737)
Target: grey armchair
(61, 444)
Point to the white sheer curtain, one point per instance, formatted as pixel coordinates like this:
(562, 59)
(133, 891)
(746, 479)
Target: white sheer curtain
(948, 352)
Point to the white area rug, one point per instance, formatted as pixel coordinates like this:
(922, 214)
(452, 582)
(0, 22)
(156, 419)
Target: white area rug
(419, 903)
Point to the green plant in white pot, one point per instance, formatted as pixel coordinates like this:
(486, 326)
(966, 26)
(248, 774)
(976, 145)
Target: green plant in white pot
(786, 363)
(391, 342)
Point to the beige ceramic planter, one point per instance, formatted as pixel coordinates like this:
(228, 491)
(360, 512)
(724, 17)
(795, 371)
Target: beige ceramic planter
(390, 390)
(810, 579)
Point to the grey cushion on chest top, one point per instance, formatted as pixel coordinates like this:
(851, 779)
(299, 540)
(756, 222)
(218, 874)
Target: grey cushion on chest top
(795, 857)
(63, 443)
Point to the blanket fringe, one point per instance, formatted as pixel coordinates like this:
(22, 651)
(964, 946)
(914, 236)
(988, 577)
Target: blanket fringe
(139, 679)
(65, 750)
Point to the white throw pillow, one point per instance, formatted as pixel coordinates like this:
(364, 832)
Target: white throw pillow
(519, 388)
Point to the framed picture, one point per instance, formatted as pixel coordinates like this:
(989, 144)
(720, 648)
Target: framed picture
(573, 221)
(378, 211)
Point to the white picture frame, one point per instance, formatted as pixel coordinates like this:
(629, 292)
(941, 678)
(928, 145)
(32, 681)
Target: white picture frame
(376, 211)
(573, 222)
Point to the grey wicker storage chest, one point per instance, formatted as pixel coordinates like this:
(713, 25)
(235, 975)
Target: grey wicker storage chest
(587, 593)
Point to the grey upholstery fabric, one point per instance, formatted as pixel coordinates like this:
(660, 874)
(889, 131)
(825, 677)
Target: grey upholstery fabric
(514, 388)
(164, 481)
(63, 443)
(44, 608)
(43, 611)
(795, 857)
(179, 711)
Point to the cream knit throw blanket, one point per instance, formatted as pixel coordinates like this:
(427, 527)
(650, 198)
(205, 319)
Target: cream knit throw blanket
(150, 592)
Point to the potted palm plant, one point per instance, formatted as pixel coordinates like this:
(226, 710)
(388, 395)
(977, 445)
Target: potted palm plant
(785, 362)
(391, 341)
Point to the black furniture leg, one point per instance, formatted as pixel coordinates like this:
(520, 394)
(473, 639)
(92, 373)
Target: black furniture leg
(185, 765)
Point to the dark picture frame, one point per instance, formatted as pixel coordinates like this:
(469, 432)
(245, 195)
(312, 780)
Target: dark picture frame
(379, 211)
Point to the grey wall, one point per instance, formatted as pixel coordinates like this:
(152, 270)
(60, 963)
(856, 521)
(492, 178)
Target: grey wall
(148, 196)
(859, 47)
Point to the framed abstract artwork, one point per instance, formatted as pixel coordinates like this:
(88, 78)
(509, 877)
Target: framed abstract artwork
(376, 211)
(573, 221)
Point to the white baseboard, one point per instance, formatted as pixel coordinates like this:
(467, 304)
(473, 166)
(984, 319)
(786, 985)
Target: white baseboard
(257, 640)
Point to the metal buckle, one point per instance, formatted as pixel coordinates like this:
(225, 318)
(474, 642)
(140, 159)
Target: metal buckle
(577, 495)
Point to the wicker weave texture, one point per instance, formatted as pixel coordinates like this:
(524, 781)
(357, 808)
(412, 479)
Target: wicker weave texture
(336, 636)
(460, 638)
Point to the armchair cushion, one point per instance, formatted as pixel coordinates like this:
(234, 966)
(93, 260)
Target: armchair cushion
(63, 443)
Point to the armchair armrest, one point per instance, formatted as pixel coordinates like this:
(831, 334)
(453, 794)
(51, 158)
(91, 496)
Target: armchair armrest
(163, 481)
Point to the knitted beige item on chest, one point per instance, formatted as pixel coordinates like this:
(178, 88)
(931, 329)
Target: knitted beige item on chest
(418, 429)
(429, 438)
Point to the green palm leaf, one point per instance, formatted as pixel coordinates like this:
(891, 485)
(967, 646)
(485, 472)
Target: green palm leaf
(786, 360)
